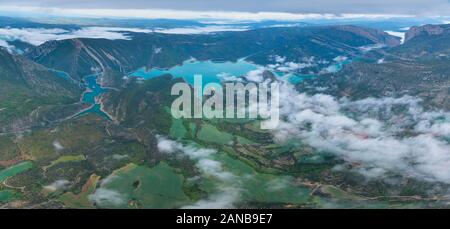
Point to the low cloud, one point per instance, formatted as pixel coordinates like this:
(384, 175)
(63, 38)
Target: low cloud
(221, 200)
(397, 34)
(57, 185)
(376, 135)
(57, 145)
(255, 76)
(201, 30)
(193, 14)
(228, 192)
(383, 135)
(107, 197)
(168, 146)
(38, 36)
(281, 65)
(7, 46)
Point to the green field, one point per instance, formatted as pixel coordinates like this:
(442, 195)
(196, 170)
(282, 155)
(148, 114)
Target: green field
(245, 141)
(261, 187)
(14, 170)
(144, 187)
(7, 195)
(177, 130)
(210, 133)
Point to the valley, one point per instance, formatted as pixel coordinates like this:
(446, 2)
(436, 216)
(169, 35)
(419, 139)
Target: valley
(86, 123)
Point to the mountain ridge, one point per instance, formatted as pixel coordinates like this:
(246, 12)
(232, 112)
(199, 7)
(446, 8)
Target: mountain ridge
(27, 89)
(167, 50)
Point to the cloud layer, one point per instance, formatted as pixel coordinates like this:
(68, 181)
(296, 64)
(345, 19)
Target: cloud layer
(431, 7)
(383, 135)
(38, 36)
(227, 194)
(201, 30)
(57, 185)
(6, 45)
(182, 14)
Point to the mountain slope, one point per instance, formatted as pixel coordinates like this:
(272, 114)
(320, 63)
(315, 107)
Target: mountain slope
(27, 89)
(80, 57)
(419, 68)
(426, 42)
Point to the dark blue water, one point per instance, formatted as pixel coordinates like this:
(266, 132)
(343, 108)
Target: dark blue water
(212, 72)
(94, 87)
(90, 96)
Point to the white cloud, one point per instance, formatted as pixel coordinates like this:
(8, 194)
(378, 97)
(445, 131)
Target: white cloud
(38, 36)
(397, 34)
(372, 132)
(201, 30)
(229, 77)
(340, 58)
(57, 185)
(108, 179)
(382, 134)
(331, 69)
(228, 193)
(281, 65)
(255, 75)
(31, 35)
(280, 59)
(186, 14)
(106, 197)
(221, 200)
(291, 66)
(57, 145)
(167, 146)
(7, 46)
(284, 25)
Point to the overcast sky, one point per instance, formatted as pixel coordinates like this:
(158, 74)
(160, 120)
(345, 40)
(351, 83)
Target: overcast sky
(397, 7)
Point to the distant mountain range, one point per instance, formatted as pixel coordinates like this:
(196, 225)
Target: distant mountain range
(80, 57)
(29, 91)
(401, 68)
(419, 67)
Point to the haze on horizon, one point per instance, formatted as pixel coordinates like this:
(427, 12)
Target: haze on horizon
(230, 9)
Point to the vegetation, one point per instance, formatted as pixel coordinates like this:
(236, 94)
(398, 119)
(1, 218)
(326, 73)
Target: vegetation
(44, 143)
(143, 187)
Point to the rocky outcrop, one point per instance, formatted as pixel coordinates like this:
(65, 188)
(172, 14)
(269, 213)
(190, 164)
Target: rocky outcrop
(425, 30)
(374, 35)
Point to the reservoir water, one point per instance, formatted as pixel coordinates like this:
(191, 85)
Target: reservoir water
(93, 91)
(211, 72)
